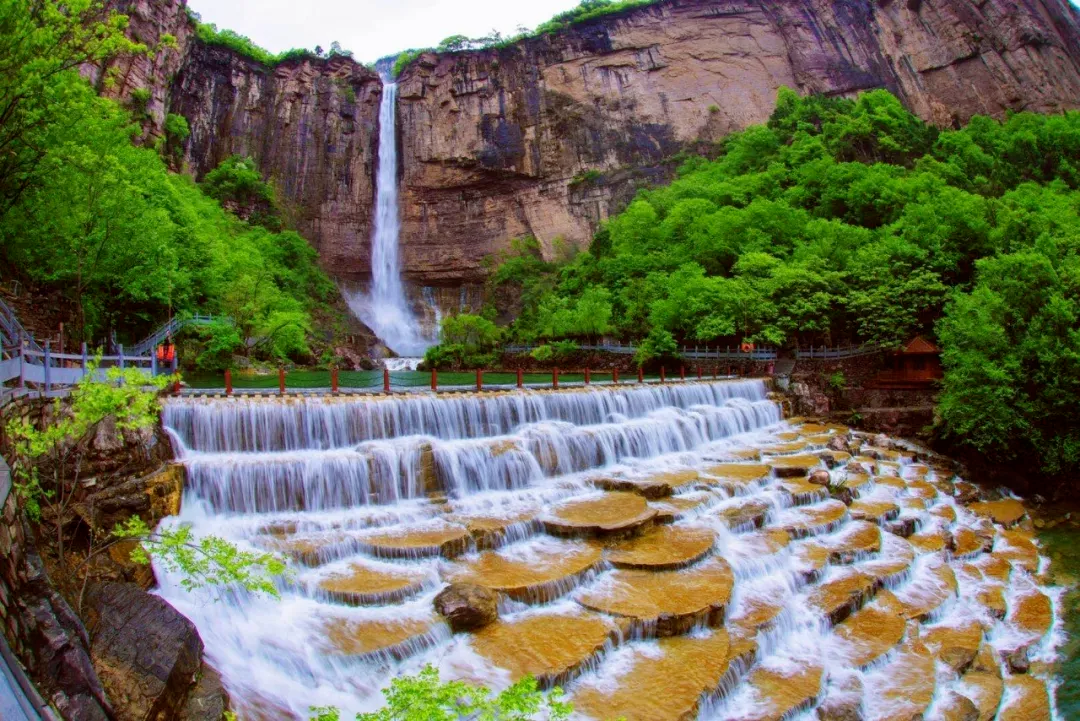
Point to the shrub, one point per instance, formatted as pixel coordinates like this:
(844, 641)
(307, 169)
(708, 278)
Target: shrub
(176, 127)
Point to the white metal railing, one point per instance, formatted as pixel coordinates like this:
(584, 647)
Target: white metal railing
(833, 353)
(166, 330)
(49, 373)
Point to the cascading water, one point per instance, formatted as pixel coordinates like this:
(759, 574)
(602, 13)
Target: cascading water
(659, 552)
(385, 308)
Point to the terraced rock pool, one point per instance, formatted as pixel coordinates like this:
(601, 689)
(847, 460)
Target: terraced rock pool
(660, 551)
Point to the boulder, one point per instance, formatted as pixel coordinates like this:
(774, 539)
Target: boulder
(842, 494)
(209, 700)
(839, 443)
(467, 607)
(820, 478)
(147, 655)
(1018, 660)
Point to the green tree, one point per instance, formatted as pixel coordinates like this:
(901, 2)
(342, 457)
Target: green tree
(47, 459)
(43, 43)
(425, 698)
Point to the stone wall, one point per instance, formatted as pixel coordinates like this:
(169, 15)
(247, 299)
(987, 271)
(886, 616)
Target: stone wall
(122, 474)
(40, 627)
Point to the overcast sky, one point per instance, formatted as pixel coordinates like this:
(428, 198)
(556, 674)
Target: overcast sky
(372, 28)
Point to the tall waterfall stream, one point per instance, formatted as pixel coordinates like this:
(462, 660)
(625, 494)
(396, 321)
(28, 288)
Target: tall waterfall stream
(385, 308)
(659, 551)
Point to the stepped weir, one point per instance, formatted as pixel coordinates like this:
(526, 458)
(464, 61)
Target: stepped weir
(660, 552)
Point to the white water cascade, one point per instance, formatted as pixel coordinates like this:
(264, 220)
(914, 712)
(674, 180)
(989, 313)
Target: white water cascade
(659, 552)
(385, 308)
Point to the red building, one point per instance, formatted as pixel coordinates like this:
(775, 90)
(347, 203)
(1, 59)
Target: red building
(914, 367)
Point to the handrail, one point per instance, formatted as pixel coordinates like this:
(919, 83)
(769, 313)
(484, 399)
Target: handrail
(174, 325)
(697, 353)
(830, 353)
(14, 332)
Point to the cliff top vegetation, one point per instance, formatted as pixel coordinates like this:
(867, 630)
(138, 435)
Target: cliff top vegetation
(585, 11)
(210, 34)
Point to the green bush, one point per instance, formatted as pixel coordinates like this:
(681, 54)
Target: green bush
(425, 698)
(176, 127)
(543, 353)
(852, 221)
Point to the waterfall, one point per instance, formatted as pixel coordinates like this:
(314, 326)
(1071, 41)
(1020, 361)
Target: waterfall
(385, 308)
(607, 519)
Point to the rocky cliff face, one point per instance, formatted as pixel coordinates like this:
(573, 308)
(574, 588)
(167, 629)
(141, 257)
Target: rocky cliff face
(309, 124)
(494, 140)
(552, 135)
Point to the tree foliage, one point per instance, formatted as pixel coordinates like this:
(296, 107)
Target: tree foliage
(47, 457)
(852, 221)
(207, 561)
(86, 213)
(468, 341)
(425, 698)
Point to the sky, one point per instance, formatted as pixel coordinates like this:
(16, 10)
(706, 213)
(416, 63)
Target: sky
(372, 28)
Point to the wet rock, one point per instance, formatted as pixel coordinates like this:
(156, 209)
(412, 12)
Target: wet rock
(146, 653)
(466, 606)
(1018, 661)
(614, 514)
(820, 477)
(843, 494)
(844, 702)
(839, 443)
(1027, 699)
(966, 493)
(209, 700)
(549, 571)
(956, 707)
(553, 648)
(1007, 512)
(857, 467)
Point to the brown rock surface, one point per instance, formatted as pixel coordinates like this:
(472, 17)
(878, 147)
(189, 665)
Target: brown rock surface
(673, 601)
(145, 652)
(536, 577)
(1028, 700)
(550, 647)
(667, 687)
(466, 606)
(492, 140)
(661, 549)
(607, 514)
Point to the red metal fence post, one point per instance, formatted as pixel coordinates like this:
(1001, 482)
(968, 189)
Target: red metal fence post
(434, 379)
(588, 376)
(615, 376)
(281, 380)
(699, 372)
(640, 375)
(386, 380)
(682, 373)
(554, 377)
(479, 379)
(333, 379)
(228, 382)
(663, 375)
(520, 378)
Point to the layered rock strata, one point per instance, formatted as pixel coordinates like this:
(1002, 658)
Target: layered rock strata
(551, 135)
